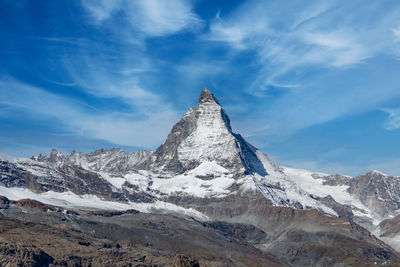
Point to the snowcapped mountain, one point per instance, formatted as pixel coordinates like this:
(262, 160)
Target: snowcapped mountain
(204, 134)
(201, 169)
(201, 157)
(112, 160)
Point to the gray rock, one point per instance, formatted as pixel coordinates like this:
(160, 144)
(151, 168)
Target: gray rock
(4, 202)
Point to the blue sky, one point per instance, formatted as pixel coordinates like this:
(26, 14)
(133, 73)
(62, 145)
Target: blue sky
(315, 84)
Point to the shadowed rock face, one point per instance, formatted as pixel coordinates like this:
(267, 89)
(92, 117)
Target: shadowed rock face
(112, 160)
(343, 211)
(59, 179)
(378, 191)
(389, 231)
(390, 226)
(204, 134)
(23, 255)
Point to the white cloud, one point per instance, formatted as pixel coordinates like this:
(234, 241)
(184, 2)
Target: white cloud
(122, 128)
(101, 9)
(240, 30)
(393, 121)
(152, 17)
(321, 54)
(159, 17)
(313, 11)
(325, 34)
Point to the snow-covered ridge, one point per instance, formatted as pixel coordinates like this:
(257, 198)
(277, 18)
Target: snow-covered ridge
(108, 160)
(202, 158)
(315, 186)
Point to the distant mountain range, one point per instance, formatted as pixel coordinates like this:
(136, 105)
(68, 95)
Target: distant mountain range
(215, 181)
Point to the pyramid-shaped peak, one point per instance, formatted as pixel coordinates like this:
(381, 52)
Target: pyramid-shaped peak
(204, 135)
(207, 97)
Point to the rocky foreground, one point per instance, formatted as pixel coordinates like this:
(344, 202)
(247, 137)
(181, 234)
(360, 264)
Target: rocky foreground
(36, 234)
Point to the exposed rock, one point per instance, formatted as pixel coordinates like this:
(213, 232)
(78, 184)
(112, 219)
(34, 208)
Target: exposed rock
(12, 175)
(342, 210)
(204, 134)
(377, 191)
(333, 180)
(184, 261)
(34, 204)
(246, 232)
(112, 160)
(111, 213)
(303, 238)
(4, 202)
(23, 255)
(390, 226)
(138, 240)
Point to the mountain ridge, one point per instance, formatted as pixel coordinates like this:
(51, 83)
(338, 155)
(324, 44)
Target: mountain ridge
(205, 171)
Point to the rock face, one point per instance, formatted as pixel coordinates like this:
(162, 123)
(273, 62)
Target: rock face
(184, 261)
(389, 231)
(112, 160)
(4, 202)
(42, 177)
(378, 191)
(204, 134)
(23, 255)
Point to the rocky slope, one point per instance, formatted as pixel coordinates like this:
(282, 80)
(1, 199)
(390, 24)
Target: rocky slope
(206, 172)
(30, 236)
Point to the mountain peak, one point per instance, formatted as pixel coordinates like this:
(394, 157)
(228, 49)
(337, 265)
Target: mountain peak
(204, 135)
(207, 97)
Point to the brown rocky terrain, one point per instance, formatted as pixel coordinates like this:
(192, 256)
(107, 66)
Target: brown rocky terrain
(30, 236)
(300, 237)
(247, 232)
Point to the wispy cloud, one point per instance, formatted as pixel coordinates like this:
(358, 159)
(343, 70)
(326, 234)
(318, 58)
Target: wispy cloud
(240, 30)
(152, 17)
(388, 166)
(304, 36)
(102, 9)
(393, 121)
(329, 162)
(293, 40)
(122, 128)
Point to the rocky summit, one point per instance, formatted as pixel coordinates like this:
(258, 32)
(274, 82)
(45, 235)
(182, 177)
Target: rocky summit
(204, 135)
(205, 197)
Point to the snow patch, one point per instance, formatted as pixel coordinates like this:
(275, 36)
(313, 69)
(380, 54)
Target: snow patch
(88, 202)
(208, 168)
(193, 186)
